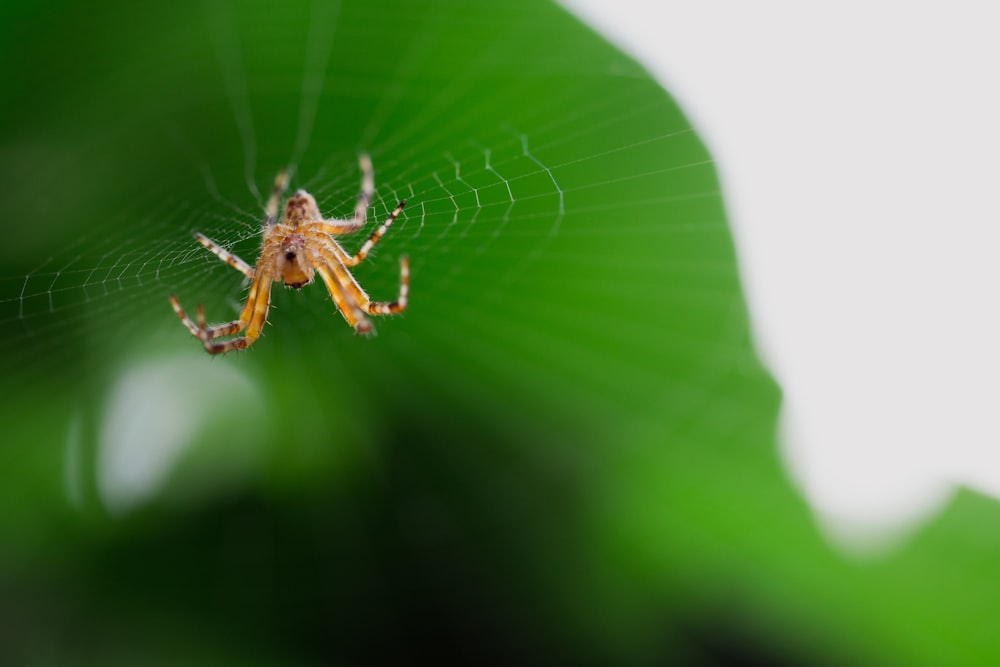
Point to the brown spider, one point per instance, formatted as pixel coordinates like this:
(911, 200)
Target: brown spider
(291, 252)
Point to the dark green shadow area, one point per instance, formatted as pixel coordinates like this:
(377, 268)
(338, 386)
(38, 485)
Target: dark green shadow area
(565, 450)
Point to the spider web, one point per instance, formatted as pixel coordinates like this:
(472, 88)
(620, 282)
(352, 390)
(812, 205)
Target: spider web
(513, 182)
(572, 385)
(574, 307)
(573, 283)
(569, 255)
(571, 268)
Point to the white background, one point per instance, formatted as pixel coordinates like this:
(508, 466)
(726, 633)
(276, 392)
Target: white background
(858, 147)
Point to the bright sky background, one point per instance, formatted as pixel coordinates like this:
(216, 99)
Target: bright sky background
(858, 146)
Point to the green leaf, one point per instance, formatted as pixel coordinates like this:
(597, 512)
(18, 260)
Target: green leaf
(565, 447)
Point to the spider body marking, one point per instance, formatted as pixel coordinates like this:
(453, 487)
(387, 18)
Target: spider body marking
(293, 250)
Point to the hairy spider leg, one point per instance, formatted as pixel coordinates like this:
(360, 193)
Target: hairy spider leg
(367, 190)
(345, 303)
(185, 320)
(278, 189)
(226, 256)
(252, 320)
(198, 327)
(338, 226)
(376, 235)
(358, 257)
(399, 305)
(360, 297)
(252, 316)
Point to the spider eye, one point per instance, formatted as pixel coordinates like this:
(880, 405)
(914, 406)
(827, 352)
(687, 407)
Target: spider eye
(290, 256)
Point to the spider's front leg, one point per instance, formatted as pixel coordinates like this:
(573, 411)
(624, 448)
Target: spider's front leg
(367, 190)
(278, 189)
(358, 257)
(335, 226)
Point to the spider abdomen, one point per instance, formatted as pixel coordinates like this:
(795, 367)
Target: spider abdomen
(293, 268)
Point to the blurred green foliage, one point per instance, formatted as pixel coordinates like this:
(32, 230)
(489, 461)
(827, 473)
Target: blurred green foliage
(565, 451)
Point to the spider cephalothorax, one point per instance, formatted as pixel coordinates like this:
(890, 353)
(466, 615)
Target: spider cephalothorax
(293, 250)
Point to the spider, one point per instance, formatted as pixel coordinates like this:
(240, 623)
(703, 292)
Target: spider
(292, 251)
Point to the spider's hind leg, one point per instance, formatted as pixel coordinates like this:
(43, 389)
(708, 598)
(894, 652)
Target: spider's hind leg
(399, 305)
(198, 328)
(253, 316)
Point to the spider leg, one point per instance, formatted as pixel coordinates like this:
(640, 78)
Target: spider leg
(357, 296)
(226, 256)
(376, 235)
(252, 319)
(323, 240)
(199, 329)
(219, 330)
(335, 226)
(195, 330)
(278, 189)
(367, 190)
(399, 305)
(345, 303)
